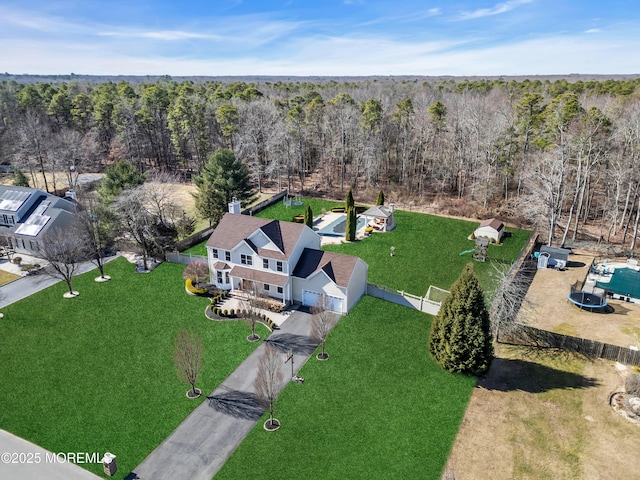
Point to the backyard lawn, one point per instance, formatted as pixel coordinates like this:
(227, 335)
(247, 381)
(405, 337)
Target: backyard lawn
(427, 249)
(378, 408)
(95, 373)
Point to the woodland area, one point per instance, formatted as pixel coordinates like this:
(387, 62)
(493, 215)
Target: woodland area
(560, 154)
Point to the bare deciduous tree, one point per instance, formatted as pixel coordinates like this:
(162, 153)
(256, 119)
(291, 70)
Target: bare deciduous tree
(197, 271)
(64, 249)
(187, 356)
(323, 321)
(251, 306)
(269, 382)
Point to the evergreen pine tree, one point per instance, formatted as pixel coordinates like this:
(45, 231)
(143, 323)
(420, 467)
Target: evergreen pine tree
(350, 230)
(460, 339)
(380, 198)
(19, 178)
(349, 201)
(221, 178)
(308, 216)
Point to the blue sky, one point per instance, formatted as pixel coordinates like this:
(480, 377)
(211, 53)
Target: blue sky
(330, 37)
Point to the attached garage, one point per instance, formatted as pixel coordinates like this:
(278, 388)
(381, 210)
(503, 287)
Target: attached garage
(309, 299)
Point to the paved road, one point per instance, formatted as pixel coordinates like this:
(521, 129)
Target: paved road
(27, 461)
(201, 444)
(28, 285)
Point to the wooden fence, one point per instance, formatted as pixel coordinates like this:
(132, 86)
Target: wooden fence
(403, 298)
(531, 336)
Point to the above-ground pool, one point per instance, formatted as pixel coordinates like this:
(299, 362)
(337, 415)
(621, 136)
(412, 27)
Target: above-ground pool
(338, 227)
(624, 282)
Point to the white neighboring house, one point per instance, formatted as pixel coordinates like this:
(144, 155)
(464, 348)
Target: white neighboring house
(26, 214)
(491, 228)
(282, 260)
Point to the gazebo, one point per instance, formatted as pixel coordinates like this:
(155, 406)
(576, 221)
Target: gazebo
(380, 217)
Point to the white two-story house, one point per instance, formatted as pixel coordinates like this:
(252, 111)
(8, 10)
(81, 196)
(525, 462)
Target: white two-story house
(282, 260)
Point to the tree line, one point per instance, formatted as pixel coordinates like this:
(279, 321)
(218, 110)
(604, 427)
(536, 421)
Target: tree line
(560, 153)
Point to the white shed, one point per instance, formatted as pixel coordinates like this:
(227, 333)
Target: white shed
(491, 228)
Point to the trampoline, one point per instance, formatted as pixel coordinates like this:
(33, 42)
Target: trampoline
(587, 300)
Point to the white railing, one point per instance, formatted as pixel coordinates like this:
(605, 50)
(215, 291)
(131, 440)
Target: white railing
(401, 297)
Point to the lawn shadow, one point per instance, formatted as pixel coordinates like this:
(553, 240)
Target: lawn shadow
(299, 344)
(506, 375)
(244, 405)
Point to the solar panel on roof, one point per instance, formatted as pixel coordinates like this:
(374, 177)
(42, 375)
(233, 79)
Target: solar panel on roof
(33, 225)
(12, 200)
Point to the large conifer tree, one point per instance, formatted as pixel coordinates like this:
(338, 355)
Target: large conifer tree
(221, 178)
(460, 339)
(308, 216)
(350, 228)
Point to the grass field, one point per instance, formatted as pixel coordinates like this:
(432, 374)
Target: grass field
(95, 373)
(378, 408)
(427, 249)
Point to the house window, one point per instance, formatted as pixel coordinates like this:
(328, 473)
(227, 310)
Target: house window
(20, 242)
(266, 287)
(214, 252)
(265, 263)
(279, 266)
(226, 277)
(246, 259)
(219, 277)
(280, 290)
(227, 256)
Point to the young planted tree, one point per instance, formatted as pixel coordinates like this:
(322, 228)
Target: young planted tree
(250, 311)
(187, 357)
(380, 200)
(323, 320)
(460, 338)
(64, 249)
(269, 383)
(308, 216)
(350, 230)
(97, 224)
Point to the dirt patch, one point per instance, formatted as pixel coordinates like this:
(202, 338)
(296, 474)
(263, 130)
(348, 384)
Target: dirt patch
(544, 417)
(539, 416)
(551, 310)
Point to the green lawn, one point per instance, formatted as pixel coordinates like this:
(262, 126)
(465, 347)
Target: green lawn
(427, 252)
(378, 408)
(427, 248)
(95, 373)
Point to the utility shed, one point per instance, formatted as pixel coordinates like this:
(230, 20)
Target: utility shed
(553, 257)
(491, 228)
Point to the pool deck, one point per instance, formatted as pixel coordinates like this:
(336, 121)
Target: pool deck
(327, 219)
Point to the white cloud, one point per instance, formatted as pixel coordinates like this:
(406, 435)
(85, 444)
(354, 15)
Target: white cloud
(167, 35)
(343, 56)
(495, 10)
(593, 30)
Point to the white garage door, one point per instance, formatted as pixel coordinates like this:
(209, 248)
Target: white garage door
(309, 299)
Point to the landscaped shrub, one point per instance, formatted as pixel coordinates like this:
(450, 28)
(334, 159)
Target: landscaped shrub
(632, 384)
(194, 290)
(232, 313)
(17, 260)
(338, 209)
(225, 313)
